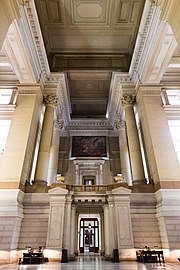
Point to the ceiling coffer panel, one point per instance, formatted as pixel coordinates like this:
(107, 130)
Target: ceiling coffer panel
(94, 28)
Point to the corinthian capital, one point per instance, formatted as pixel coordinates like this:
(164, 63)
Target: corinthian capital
(50, 100)
(128, 100)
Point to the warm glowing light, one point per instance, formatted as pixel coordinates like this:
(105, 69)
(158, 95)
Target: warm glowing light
(60, 178)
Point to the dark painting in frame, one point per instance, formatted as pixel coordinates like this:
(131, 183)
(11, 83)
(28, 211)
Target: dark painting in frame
(89, 146)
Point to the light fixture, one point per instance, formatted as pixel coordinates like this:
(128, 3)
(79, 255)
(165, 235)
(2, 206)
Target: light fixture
(89, 225)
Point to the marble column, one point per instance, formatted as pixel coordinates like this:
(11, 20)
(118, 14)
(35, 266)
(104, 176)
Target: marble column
(124, 152)
(106, 232)
(73, 232)
(54, 152)
(45, 143)
(133, 140)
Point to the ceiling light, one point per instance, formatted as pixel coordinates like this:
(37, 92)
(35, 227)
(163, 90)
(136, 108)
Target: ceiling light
(174, 65)
(5, 65)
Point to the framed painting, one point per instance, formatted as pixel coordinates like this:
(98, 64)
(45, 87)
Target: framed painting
(89, 146)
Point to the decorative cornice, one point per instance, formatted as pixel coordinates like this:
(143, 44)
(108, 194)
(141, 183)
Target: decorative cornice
(89, 132)
(139, 48)
(28, 7)
(63, 98)
(50, 100)
(127, 100)
(88, 123)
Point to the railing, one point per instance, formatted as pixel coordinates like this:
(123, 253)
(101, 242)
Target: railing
(90, 188)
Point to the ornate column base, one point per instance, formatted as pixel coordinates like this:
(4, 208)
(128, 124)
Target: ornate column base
(40, 183)
(139, 182)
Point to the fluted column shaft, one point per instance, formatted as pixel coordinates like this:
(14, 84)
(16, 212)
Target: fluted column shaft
(45, 142)
(54, 152)
(133, 140)
(124, 153)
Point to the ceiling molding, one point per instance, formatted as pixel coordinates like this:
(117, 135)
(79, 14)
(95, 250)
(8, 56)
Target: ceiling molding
(149, 18)
(32, 35)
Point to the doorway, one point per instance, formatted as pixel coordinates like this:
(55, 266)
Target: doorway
(89, 180)
(89, 235)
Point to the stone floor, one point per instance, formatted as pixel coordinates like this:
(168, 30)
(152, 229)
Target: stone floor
(94, 263)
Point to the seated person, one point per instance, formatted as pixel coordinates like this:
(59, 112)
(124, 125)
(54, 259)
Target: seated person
(146, 248)
(40, 249)
(30, 250)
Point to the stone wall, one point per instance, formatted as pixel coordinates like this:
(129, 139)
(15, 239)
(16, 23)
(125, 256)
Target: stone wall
(144, 222)
(35, 222)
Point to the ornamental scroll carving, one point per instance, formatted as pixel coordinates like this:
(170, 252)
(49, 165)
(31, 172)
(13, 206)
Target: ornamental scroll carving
(120, 124)
(128, 100)
(59, 124)
(50, 100)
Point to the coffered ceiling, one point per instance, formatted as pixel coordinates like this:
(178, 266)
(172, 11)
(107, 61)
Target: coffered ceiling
(89, 36)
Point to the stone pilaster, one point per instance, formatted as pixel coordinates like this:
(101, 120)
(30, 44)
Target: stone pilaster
(133, 140)
(67, 222)
(73, 233)
(45, 142)
(124, 152)
(20, 143)
(162, 160)
(112, 222)
(56, 223)
(123, 221)
(106, 232)
(54, 152)
(102, 234)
